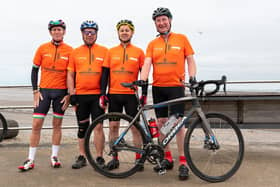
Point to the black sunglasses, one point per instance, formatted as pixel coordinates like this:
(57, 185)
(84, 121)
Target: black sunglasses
(89, 32)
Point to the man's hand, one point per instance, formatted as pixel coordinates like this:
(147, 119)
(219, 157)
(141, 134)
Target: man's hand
(194, 84)
(103, 101)
(37, 96)
(65, 101)
(192, 81)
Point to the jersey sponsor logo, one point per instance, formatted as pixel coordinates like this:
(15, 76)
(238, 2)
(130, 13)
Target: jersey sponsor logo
(49, 55)
(64, 57)
(89, 73)
(133, 59)
(166, 63)
(176, 47)
(122, 71)
(158, 48)
(53, 69)
(98, 58)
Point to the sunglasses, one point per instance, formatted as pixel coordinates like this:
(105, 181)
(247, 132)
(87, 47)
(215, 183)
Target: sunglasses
(89, 32)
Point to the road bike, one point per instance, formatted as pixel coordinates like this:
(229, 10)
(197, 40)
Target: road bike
(213, 143)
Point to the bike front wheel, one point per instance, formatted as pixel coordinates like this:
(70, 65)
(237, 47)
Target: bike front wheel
(3, 127)
(124, 145)
(219, 163)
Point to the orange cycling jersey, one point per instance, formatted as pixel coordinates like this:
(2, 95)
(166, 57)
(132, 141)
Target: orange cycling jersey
(168, 59)
(124, 64)
(87, 62)
(53, 61)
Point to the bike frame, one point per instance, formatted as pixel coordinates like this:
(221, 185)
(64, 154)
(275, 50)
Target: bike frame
(196, 108)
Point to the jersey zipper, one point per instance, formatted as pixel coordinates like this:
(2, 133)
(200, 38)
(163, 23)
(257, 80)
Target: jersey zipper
(89, 55)
(166, 47)
(124, 53)
(55, 56)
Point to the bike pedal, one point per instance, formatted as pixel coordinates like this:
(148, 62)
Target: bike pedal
(162, 171)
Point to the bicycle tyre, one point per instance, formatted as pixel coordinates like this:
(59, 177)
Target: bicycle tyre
(127, 164)
(204, 162)
(3, 127)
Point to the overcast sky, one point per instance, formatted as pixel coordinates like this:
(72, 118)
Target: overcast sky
(226, 35)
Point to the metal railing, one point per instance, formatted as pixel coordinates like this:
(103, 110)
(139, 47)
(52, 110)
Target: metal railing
(213, 97)
(228, 82)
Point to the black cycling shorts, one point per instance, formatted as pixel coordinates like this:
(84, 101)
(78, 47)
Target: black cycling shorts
(161, 94)
(50, 96)
(88, 106)
(127, 101)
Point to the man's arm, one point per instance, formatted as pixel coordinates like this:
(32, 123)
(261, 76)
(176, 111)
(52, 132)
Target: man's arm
(71, 82)
(146, 69)
(34, 81)
(104, 79)
(191, 66)
(34, 77)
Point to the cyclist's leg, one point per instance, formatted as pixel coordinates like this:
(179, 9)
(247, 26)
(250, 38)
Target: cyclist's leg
(177, 92)
(99, 138)
(82, 114)
(38, 118)
(131, 109)
(39, 115)
(160, 94)
(115, 105)
(58, 113)
(161, 113)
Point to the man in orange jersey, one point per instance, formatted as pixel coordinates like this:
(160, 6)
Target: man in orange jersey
(122, 64)
(53, 58)
(168, 54)
(83, 80)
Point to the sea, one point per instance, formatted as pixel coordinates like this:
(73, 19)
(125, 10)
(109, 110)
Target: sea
(239, 77)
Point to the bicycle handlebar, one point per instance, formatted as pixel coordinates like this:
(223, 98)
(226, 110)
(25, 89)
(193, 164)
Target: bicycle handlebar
(133, 85)
(197, 87)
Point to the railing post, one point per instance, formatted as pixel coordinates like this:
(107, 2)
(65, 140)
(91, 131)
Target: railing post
(240, 112)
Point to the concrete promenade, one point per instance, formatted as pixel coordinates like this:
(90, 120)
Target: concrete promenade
(260, 167)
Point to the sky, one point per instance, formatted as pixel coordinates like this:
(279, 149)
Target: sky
(237, 38)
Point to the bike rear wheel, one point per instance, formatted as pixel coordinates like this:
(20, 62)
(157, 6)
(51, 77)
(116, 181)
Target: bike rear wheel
(125, 150)
(3, 127)
(214, 165)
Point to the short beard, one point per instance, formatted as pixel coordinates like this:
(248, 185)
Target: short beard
(89, 44)
(125, 42)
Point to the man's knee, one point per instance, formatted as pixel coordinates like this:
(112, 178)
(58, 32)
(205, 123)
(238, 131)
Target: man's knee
(83, 126)
(99, 128)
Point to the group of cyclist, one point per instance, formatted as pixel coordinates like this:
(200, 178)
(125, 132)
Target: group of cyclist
(83, 76)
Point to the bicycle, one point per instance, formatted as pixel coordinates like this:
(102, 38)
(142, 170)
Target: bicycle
(213, 144)
(3, 127)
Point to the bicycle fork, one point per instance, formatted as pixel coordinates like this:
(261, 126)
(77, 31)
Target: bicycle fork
(210, 141)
